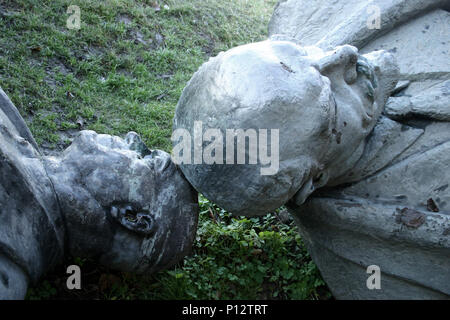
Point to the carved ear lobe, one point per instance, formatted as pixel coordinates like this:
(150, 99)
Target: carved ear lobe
(140, 222)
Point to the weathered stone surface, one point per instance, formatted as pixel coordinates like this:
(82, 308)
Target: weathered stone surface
(411, 181)
(107, 198)
(331, 23)
(13, 115)
(392, 209)
(31, 224)
(345, 236)
(427, 99)
(386, 142)
(435, 133)
(431, 35)
(133, 210)
(310, 21)
(378, 197)
(13, 280)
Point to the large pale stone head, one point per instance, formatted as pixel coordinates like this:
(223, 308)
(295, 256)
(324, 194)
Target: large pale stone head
(321, 104)
(124, 204)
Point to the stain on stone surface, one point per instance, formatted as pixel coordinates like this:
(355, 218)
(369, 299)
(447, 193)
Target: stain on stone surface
(348, 205)
(338, 135)
(287, 68)
(410, 218)
(442, 188)
(4, 279)
(405, 128)
(432, 206)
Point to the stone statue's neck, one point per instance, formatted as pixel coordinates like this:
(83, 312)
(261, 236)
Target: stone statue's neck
(31, 202)
(88, 231)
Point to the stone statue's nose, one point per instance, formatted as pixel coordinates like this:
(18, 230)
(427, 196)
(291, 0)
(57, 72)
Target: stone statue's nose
(342, 57)
(160, 160)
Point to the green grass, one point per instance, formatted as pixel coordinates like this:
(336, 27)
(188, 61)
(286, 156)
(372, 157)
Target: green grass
(123, 71)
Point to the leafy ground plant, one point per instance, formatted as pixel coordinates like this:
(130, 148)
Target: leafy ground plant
(122, 71)
(233, 258)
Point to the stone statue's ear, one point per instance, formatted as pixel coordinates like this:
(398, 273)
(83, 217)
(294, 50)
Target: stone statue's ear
(138, 221)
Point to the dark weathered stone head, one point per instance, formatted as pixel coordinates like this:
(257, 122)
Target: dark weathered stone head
(104, 197)
(124, 204)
